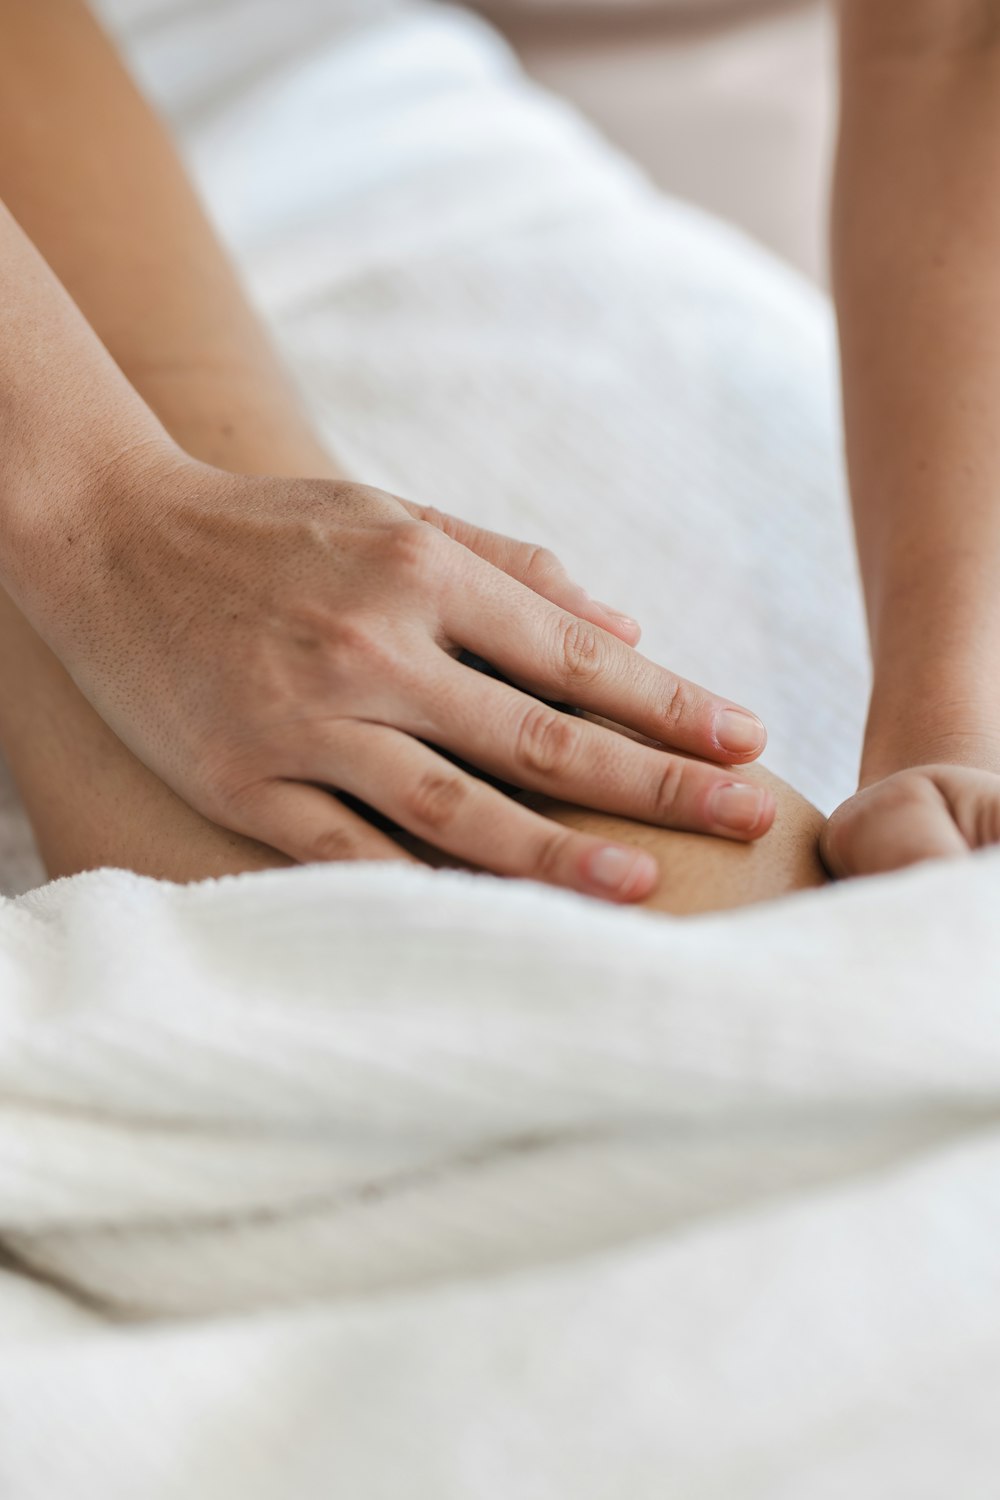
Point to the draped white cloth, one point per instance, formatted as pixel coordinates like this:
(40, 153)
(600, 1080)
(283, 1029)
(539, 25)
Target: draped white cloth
(392, 1184)
(377, 1182)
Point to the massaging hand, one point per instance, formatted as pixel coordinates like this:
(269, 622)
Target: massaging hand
(260, 643)
(932, 812)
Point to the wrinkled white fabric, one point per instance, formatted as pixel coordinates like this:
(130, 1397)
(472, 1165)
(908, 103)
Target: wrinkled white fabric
(415, 1184)
(385, 1183)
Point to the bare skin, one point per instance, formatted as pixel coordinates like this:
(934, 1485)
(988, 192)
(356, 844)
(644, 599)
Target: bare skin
(92, 803)
(698, 874)
(916, 234)
(251, 635)
(103, 197)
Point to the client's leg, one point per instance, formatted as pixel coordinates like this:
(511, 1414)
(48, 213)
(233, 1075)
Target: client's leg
(699, 874)
(90, 801)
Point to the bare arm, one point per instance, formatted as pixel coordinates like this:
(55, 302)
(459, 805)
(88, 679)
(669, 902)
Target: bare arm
(916, 255)
(101, 194)
(916, 240)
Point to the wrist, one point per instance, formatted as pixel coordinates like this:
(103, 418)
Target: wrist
(64, 521)
(918, 723)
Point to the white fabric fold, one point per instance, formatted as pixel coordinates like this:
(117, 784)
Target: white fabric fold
(714, 1200)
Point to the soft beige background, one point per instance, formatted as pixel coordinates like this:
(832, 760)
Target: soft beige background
(738, 117)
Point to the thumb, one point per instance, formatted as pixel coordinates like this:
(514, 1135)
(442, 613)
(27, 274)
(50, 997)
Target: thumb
(888, 826)
(537, 568)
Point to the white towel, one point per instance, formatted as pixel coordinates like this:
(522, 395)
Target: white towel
(410, 1184)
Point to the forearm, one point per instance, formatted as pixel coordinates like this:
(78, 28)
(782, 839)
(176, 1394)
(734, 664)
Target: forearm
(102, 195)
(916, 251)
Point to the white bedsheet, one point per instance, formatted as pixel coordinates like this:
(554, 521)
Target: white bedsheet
(380, 1183)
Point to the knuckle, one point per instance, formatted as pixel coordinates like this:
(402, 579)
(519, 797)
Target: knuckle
(318, 635)
(439, 520)
(414, 551)
(333, 845)
(307, 626)
(674, 703)
(360, 649)
(905, 792)
(897, 798)
(546, 741)
(551, 855)
(541, 566)
(668, 788)
(435, 799)
(353, 637)
(581, 651)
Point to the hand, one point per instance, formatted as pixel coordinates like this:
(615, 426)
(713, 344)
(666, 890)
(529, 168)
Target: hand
(930, 812)
(260, 643)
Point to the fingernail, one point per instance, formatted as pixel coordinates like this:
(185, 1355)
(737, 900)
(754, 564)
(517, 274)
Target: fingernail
(616, 614)
(739, 732)
(621, 870)
(740, 808)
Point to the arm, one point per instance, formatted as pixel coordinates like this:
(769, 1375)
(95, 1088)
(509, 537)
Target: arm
(916, 257)
(103, 197)
(256, 640)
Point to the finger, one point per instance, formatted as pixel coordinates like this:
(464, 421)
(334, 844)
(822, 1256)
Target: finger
(537, 568)
(521, 740)
(973, 799)
(557, 655)
(888, 828)
(468, 819)
(311, 826)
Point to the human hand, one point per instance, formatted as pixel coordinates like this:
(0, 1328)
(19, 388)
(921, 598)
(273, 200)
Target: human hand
(929, 812)
(260, 643)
